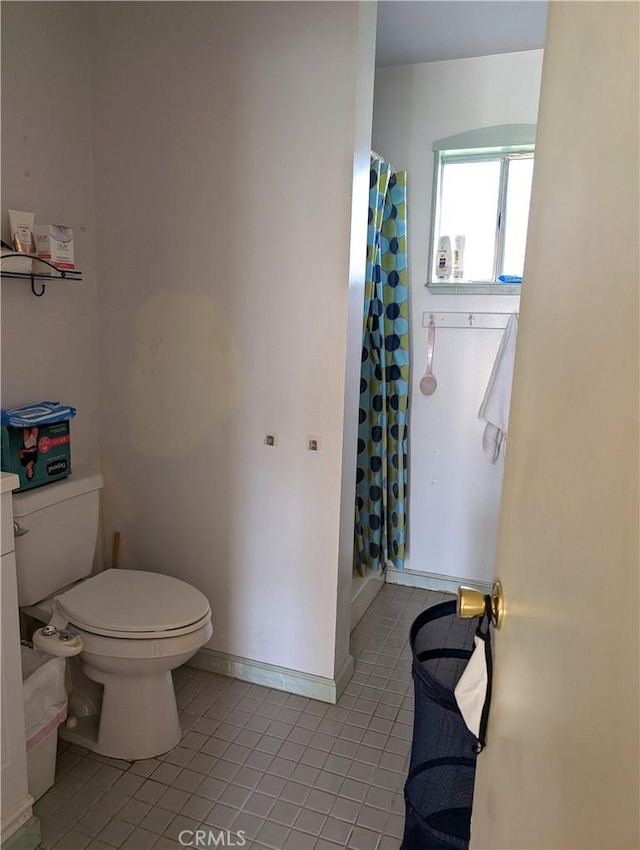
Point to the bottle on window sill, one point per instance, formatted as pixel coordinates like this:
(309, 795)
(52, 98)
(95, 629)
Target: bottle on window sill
(443, 257)
(458, 256)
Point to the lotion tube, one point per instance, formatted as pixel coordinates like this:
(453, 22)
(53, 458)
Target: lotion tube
(21, 226)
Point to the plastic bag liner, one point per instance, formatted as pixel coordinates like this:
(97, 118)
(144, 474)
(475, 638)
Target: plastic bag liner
(439, 788)
(45, 695)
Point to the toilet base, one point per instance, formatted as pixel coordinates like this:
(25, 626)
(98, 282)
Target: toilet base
(85, 734)
(138, 717)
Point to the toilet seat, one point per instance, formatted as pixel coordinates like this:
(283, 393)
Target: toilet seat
(134, 604)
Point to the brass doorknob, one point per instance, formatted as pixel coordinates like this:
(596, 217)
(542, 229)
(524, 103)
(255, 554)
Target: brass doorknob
(472, 603)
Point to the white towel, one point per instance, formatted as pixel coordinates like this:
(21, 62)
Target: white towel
(494, 409)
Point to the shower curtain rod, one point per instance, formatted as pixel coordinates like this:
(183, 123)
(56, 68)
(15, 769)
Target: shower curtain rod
(377, 156)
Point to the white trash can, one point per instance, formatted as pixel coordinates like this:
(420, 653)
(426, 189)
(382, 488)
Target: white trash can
(45, 708)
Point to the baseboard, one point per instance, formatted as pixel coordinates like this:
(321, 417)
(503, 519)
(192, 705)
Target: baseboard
(272, 676)
(20, 827)
(434, 581)
(364, 590)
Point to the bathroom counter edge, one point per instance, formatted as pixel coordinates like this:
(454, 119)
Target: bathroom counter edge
(8, 482)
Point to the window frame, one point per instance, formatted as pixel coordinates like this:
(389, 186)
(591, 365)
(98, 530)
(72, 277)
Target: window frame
(503, 143)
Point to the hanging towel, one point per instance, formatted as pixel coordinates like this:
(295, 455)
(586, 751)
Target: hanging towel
(494, 409)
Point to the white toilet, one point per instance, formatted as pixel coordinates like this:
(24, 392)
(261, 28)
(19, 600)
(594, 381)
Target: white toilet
(134, 626)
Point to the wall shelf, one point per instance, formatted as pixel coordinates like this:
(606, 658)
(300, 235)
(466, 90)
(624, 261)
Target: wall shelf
(52, 276)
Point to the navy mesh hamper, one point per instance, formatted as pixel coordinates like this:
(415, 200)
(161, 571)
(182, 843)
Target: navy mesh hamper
(439, 788)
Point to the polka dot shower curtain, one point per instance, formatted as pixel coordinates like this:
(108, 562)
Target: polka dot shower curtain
(384, 379)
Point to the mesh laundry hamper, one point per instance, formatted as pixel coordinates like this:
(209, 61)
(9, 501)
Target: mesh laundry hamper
(439, 788)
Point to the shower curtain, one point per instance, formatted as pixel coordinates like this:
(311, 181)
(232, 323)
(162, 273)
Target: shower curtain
(381, 481)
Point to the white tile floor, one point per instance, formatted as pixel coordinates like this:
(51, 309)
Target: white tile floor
(277, 770)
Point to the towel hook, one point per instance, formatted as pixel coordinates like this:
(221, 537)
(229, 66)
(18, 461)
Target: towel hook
(33, 288)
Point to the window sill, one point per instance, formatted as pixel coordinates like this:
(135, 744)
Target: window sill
(474, 288)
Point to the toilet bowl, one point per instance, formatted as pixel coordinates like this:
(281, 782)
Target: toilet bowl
(135, 627)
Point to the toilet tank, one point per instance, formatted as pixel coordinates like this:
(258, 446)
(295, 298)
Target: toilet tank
(56, 541)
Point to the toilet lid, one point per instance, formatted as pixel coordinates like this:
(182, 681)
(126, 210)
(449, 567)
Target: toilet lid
(133, 601)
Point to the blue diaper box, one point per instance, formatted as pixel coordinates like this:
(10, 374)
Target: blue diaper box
(36, 442)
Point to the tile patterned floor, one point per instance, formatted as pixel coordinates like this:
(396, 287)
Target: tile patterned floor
(277, 770)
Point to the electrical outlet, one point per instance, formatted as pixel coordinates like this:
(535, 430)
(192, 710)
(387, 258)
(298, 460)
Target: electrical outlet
(314, 443)
(270, 439)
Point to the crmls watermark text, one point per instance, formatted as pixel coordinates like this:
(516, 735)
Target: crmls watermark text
(211, 838)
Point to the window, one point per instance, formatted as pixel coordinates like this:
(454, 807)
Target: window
(482, 190)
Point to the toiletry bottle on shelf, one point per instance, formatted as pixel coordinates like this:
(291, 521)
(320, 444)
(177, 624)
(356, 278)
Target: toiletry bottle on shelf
(458, 256)
(21, 224)
(443, 257)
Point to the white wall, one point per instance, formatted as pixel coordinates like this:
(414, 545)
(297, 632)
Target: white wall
(49, 344)
(454, 490)
(224, 146)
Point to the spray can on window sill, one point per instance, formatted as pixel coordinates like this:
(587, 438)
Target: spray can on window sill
(458, 256)
(443, 257)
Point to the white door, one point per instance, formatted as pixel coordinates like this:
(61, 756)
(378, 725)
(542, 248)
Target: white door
(562, 760)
